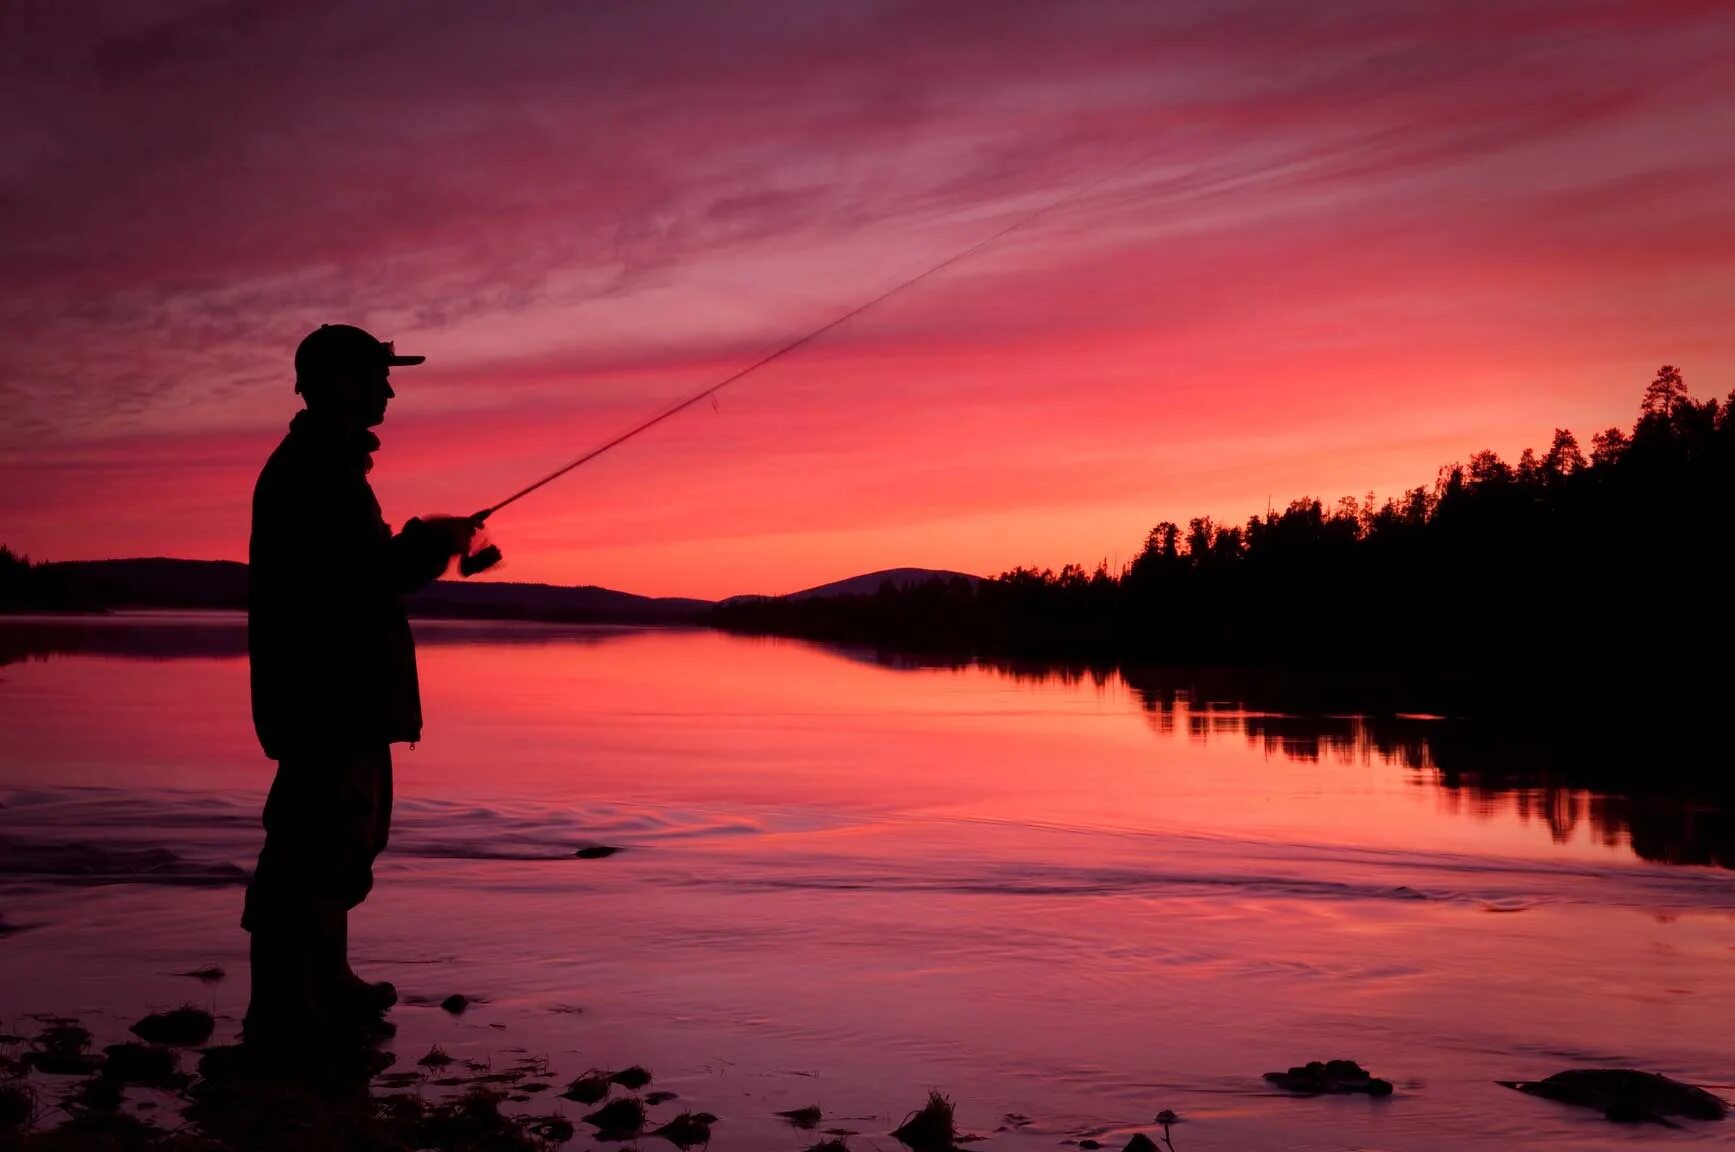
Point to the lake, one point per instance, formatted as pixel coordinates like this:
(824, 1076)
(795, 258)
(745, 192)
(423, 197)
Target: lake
(1075, 898)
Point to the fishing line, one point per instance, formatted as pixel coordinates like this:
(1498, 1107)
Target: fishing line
(713, 389)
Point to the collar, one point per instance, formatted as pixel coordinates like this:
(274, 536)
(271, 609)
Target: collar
(327, 435)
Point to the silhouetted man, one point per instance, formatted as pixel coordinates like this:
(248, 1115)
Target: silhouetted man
(334, 686)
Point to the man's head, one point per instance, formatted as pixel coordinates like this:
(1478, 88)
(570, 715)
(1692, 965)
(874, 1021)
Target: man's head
(342, 371)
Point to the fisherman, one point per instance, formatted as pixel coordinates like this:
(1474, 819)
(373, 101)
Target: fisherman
(334, 686)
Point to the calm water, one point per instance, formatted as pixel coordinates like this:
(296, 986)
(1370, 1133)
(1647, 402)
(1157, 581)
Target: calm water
(1076, 899)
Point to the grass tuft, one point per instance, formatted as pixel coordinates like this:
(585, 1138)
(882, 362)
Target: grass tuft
(808, 1117)
(619, 1118)
(687, 1129)
(929, 1128)
(185, 1027)
(589, 1088)
(632, 1079)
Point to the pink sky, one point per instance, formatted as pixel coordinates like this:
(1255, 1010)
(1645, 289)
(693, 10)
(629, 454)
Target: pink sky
(1333, 247)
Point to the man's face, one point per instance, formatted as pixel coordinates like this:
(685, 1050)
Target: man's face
(376, 391)
(360, 397)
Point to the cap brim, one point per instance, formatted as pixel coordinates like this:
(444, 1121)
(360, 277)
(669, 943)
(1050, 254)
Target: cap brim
(396, 361)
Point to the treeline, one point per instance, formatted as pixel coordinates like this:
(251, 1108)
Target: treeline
(103, 585)
(35, 587)
(1571, 566)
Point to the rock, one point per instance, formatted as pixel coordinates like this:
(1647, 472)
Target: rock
(632, 1078)
(618, 1119)
(98, 1094)
(1625, 1095)
(596, 851)
(808, 1117)
(687, 1129)
(60, 1050)
(455, 1004)
(131, 1063)
(61, 1035)
(587, 1089)
(17, 1105)
(1317, 1078)
(185, 1027)
(63, 1063)
(1140, 1143)
(470, 1121)
(553, 1128)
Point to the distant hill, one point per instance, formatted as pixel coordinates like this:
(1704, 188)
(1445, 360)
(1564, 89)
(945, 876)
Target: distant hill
(153, 582)
(867, 584)
(163, 582)
(501, 601)
(158, 582)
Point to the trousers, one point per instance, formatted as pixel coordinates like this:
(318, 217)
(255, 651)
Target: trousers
(328, 816)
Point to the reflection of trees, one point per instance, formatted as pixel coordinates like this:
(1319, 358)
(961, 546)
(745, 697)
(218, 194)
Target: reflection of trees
(1563, 781)
(140, 637)
(1563, 778)
(1667, 827)
(1300, 717)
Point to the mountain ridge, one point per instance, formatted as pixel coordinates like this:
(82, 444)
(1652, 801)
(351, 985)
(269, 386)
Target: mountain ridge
(168, 582)
(865, 584)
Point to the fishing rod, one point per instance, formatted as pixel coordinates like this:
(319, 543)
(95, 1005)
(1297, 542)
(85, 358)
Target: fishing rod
(490, 555)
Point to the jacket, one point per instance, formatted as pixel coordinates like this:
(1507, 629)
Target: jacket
(332, 661)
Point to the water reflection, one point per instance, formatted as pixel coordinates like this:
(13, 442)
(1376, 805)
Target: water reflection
(223, 635)
(165, 636)
(1558, 780)
(1610, 783)
(1617, 782)
(1665, 827)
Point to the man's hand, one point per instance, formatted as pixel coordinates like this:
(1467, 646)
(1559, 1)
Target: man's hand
(451, 533)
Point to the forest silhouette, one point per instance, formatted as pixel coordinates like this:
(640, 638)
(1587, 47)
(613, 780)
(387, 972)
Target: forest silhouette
(1594, 578)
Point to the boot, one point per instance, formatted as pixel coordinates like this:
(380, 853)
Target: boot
(353, 995)
(290, 1032)
(285, 1017)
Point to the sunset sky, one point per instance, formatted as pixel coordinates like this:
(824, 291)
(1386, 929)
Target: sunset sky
(1323, 249)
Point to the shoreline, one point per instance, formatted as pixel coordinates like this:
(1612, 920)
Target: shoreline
(168, 1087)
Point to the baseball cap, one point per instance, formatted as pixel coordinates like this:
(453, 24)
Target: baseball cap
(334, 348)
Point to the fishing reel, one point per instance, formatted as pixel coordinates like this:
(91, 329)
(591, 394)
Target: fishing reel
(478, 559)
(481, 555)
